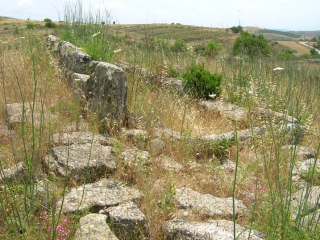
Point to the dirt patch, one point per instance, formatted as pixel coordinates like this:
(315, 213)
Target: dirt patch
(300, 49)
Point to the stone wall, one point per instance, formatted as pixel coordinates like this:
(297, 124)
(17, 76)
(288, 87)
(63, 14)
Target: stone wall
(104, 84)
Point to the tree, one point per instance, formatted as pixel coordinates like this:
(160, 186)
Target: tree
(251, 45)
(47, 20)
(237, 29)
(212, 49)
(314, 53)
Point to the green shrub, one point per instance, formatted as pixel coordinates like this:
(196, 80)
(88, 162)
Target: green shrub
(47, 20)
(285, 55)
(50, 25)
(30, 26)
(179, 46)
(212, 49)
(6, 28)
(198, 49)
(201, 82)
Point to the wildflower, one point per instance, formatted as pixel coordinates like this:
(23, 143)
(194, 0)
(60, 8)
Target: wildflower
(198, 154)
(80, 116)
(212, 95)
(101, 211)
(278, 69)
(22, 37)
(90, 93)
(152, 112)
(250, 92)
(117, 50)
(96, 34)
(106, 118)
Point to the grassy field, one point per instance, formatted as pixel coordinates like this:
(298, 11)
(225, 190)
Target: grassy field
(298, 48)
(30, 73)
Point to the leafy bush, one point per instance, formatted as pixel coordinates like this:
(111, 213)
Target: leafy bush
(237, 29)
(179, 46)
(47, 20)
(212, 49)
(6, 28)
(50, 25)
(201, 82)
(285, 55)
(30, 25)
(198, 49)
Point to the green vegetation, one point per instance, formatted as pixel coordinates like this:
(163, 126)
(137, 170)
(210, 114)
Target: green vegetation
(251, 45)
(212, 49)
(201, 82)
(179, 46)
(287, 34)
(285, 55)
(30, 25)
(237, 29)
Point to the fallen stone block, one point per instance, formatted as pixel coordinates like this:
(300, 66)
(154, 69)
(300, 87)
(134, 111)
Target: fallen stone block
(14, 173)
(136, 157)
(104, 193)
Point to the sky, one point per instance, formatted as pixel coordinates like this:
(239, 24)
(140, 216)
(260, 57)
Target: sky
(271, 14)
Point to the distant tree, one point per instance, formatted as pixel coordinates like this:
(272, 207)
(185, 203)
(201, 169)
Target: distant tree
(212, 49)
(30, 25)
(237, 29)
(47, 20)
(314, 53)
(251, 45)
(314, 39)
(50, 25)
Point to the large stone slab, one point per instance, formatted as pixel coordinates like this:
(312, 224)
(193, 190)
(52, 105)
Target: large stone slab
(73, 60)
(94, 227)
(53, 42)
(166, 133)
(107, 92)
(104, 193)
(83, 137)
(227, 109)
(136, 157)
(206, 204)
(127, 220)
(15, 112)
(268, 113)
(81, 161)
(79, 82)
(138, 137)
(211, 230)
(14, 173)
(301, 152)
(306, 167)
(305, 201)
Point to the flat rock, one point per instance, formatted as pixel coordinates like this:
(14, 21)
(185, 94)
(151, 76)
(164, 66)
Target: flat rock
(308, 198)
(169, 164)
(136, 157)
(94, 227)
(206, 204)
(306, 166)
(268, 113)
(14, 111)
(127, 219)
(80, 161)
(83, 137)
(211, 230)
(137, 136)
(104, 193)
(301, 152)
(227, 109)
(15, 173)
(157, 146)
(167, 134)
(79, 81)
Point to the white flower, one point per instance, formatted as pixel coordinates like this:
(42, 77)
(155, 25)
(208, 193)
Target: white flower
(96, 34)
(278, 69)
(212, 95)
(250, 92)
(117, 50)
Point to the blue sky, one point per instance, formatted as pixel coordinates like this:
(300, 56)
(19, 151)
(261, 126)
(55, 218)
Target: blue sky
(274, 14)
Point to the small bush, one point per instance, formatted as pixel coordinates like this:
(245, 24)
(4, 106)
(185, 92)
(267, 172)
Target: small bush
(212, 49)
(179, 46)
(6, 28)
(198, 49)
(50, 25)
(201, 82)
(47, 20)
(285, 55)
(30, 26)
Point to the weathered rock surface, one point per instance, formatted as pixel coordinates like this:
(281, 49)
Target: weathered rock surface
(128, 220)
(268, 113)
(81, 161)
(167, 134)
(169, 164)
(206, 204)
(227, 109)
(157, 146)
(301, 152)
(81, 138)
(136, 157)
(14, 111)
(292, 132)
(79, 82)
(306, 166)
(107, 92)
(94, 227)
(53, 42)
(47, 191)
(73, 60)
(137, 136)
(243, 135)
(307, 200)
(227, 164)
(4, 130)
(103, 193)
(15, 173)
(211, 230)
